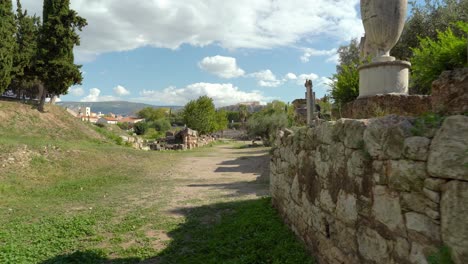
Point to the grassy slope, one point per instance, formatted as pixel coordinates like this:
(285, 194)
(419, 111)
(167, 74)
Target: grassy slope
(71, 196)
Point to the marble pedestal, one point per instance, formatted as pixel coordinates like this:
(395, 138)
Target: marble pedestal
(384, 77)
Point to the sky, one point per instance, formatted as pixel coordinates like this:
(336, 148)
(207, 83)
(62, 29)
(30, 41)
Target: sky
(168, 52)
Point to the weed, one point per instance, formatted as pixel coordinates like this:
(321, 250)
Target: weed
(426, 122)
(443, 256)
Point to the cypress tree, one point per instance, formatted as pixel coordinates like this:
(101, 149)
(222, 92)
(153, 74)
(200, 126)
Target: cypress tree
(7, 43)
(27, 35)
(58, 37)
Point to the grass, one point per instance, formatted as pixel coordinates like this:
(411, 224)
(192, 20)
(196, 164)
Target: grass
(443, 256)
(74, 196)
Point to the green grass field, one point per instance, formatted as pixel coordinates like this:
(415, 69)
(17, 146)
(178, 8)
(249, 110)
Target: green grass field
(70, 195)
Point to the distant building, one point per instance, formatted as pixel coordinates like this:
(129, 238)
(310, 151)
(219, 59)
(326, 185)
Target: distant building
(92, 119)
(107, 120)
(131, 120)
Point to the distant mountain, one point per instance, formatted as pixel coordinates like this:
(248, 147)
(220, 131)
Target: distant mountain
(116, 107)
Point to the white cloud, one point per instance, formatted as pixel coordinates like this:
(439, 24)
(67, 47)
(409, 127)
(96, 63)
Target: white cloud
(76, 91)
(222, 94)
(95, 96)
(290, 76)
(120, 90)
(303, 77)
(310, 52)
(224, 67)
(129, 24)
(266, 78)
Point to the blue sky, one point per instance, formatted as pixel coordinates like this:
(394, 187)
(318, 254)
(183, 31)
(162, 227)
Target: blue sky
(167, 52)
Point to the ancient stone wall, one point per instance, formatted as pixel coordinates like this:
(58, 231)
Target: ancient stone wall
(369, 191)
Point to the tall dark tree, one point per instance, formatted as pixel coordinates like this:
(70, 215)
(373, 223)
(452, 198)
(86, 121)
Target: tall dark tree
(24, 73)
(58, 38)
(7, 43)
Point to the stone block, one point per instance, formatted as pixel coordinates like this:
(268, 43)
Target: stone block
(372, 246)
(384, 137)
(450, 92)
(433, 196)
(326, 201)
(448, 152)
(454, 219)
(296, 191)
(353, 132)
(402, 248)
(416, 148)
(422, 224)
(386, 208)
(434, 184)
(325, 132)
(417, 255)
(345, 238)
(378, 105)
(433, 214)
(379, 172)
(346, 210)
(413, 202)
(406, 175)
(322, 162)
(356, 164)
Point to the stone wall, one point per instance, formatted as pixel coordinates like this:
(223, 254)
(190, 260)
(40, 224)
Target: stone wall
(368, 191)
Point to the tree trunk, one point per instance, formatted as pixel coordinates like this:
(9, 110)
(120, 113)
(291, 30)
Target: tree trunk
(42, 97)
(53, 99)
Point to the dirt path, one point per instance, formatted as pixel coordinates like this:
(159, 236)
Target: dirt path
(224, 174)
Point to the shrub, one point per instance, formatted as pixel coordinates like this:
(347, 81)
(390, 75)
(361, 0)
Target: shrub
(140, 128)
(432, 57)
(162, 125)
(266, 126)
(345, 85)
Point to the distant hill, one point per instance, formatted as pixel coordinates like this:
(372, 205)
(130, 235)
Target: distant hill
(116, 107)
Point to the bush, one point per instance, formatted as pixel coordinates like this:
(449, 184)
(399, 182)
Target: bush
(162, 125)
(125, 125)
(345, 85)
(433, 57)
(140, 128)
(266, 126)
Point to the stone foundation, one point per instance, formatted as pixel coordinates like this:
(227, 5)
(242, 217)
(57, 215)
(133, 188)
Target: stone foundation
(368, 191)
(381, 105)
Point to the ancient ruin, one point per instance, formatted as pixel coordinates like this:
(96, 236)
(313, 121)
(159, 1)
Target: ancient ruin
(371, 191)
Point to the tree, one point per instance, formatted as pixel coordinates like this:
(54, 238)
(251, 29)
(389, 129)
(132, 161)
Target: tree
(434, 56)
(153, 114)
(161, 125)
(140, 128)
(7, 43)
(268, 121)
(58, 38)
(243, 114)
(200, 115)
(221, 120)
(426, 20)
(345, 82)
(24, 74)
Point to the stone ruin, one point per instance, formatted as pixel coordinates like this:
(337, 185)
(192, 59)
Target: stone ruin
(370, 191)
(182, 140)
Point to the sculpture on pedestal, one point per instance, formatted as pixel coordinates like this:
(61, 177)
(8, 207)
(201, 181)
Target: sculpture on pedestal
(383, 23)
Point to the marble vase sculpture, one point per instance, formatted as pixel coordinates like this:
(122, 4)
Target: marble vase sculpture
(383, 23)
